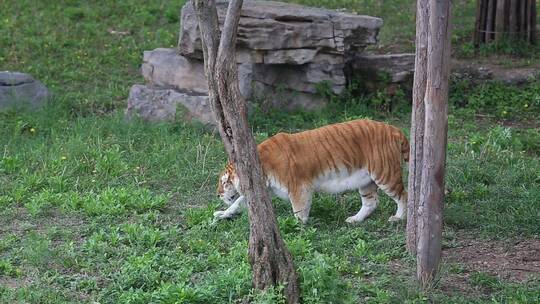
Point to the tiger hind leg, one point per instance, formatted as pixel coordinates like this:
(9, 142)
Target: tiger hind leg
(398, 193)
(369, 203)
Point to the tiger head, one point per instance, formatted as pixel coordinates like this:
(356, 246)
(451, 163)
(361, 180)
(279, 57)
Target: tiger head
(227, 185)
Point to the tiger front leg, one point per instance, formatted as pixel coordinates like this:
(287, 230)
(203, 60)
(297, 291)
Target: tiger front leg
(301, 205)
(234, 209)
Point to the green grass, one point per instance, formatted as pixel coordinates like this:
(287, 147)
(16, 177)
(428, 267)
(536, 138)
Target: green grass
(94, 208)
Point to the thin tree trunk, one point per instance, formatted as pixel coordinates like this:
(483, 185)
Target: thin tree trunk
(490, 20)
(417, 125)
(478, 23)
(270, 260)
(533, 22)
(483, 23)
(435, 136)
(512, 28)
(499, 20)
(523, 18)
(530, 29)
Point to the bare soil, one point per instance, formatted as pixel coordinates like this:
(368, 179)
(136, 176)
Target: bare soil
(509, 260)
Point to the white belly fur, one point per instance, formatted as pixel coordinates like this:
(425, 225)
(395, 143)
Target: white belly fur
(278, 189)
(330, 182)
(341, 181)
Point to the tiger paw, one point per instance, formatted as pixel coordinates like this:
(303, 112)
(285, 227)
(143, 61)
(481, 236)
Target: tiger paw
(394, 218)
(220, 215)
(353, 220)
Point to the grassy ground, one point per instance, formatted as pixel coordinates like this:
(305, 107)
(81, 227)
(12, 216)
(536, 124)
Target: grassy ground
(94, 208)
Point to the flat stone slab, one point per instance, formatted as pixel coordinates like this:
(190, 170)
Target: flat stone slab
(21, 90)
(286, 33)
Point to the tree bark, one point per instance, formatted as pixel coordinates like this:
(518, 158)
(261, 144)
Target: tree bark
(479, 23)
(499, 19)
(512, 18)
(522, 16)
(531, 14)
(533, 22)
(417, 123)
(435, 137)
(490, 22)
(270, 260)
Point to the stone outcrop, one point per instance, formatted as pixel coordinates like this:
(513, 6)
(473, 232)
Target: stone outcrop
(21, 90)
(284, 53)
(156, 104)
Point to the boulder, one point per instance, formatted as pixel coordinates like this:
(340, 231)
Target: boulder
(166, 69)
(21, 90)
(157, 104)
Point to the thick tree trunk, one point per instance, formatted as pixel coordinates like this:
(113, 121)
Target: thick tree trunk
(417, 125)
(435, 134)
(498, 19)
(271, 262)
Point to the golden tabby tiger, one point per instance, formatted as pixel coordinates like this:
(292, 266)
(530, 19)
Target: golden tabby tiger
(360, 154)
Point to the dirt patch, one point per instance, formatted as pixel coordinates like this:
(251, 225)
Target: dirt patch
(509, 260)
(19, 222)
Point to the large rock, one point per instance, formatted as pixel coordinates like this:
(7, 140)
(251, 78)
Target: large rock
(21, 90)
(157, 104)
(285, 52)
(286, 33)
(399, 67)
(166, 69)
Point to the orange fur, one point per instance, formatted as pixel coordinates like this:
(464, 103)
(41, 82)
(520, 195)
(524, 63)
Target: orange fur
(297, 160)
